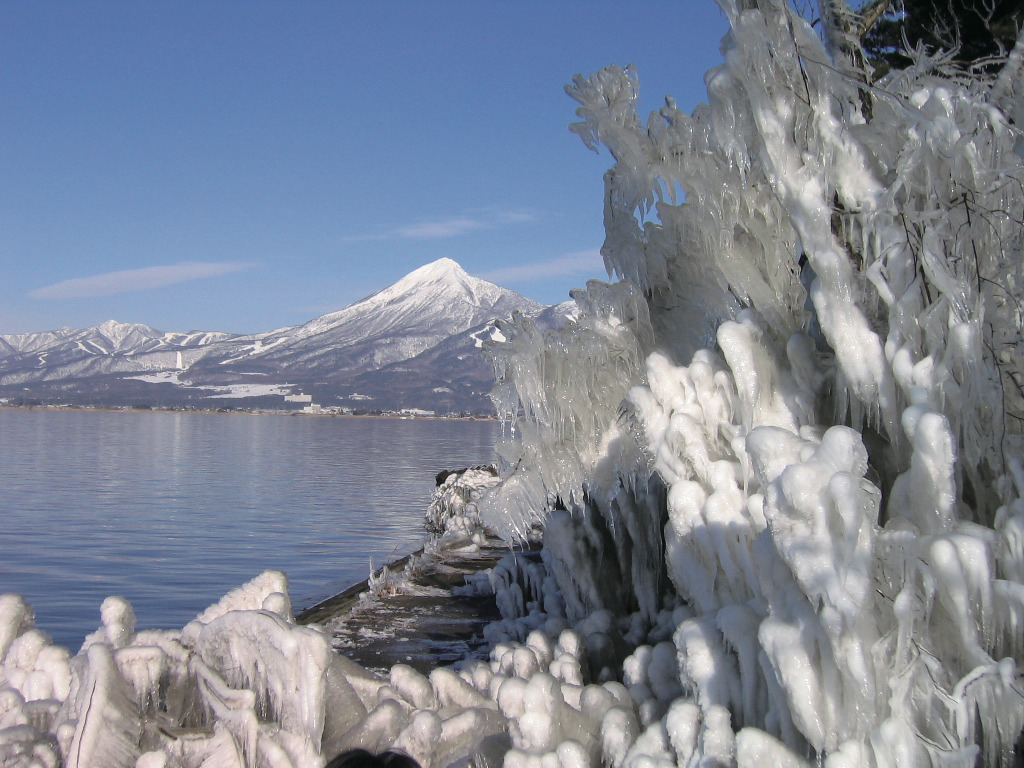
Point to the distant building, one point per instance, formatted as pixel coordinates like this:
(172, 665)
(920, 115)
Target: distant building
(416, 413)
(306, 400)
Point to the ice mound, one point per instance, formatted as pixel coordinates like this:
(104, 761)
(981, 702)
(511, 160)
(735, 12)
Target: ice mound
(454, 509)
(243, 685)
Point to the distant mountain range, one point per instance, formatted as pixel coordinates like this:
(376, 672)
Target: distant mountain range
(413, 345)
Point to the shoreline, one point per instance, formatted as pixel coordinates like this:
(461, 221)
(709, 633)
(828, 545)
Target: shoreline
(238, 412)
(434, 614)
(332, 606)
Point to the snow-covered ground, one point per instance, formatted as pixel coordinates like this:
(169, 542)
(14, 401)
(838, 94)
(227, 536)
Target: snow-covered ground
(225, 391)
(778, 465)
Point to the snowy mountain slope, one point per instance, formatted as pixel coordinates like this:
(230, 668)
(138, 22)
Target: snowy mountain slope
(450, 376)
(110, 347)
(420, 310)
(427, 317)
(107, 338)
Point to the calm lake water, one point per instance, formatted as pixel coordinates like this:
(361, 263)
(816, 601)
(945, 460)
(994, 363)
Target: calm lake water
(172, 510)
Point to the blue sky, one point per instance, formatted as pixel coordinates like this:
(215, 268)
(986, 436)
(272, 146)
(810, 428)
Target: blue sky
(243, 166)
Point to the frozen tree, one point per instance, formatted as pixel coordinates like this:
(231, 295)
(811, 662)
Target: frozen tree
(795, 431)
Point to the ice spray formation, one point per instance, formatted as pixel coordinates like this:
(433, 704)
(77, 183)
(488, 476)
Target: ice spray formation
(777, 464)
(812, 482)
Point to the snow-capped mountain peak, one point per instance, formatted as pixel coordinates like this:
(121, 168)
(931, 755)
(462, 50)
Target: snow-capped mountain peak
(439, 281)
(437, 299)
(411, 339)
(442, 269)
(118, 333)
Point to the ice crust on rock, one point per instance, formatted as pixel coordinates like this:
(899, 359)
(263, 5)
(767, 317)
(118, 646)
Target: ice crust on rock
(454, 508)
(777, 464)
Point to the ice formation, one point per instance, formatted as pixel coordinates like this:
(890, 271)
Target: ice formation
(784, 450)
(455, 506)
(778, 466)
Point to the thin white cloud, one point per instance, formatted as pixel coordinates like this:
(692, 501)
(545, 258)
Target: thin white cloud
(452, 227)
(131, 280)
(516, 217)
(577, 263)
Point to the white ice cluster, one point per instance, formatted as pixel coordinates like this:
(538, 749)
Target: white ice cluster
(567, 385)
(803, 509)
(239, 685)
(454, 509)
(242, 686)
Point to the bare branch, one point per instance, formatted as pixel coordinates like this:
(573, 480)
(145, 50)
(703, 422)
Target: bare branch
(870, 14)
(1012, 72)
(841, 32)
(985, 14)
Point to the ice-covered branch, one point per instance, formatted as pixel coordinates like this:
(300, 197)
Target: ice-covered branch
(842, 31)
(1008, 83)
(836, 507)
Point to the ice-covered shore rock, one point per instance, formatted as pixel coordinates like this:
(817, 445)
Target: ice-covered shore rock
(241, 682)
(454, 509)
(243, 685)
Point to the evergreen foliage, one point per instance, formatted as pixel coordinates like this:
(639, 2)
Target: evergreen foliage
(975, 32)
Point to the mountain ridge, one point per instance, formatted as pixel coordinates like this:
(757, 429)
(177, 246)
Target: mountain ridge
(430, 319)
